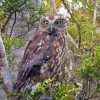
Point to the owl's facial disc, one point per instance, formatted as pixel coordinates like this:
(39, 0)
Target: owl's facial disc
(53, 25)
(53, 28)
(48, 26)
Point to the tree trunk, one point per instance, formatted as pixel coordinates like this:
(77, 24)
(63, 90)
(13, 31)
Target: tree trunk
(4, 69)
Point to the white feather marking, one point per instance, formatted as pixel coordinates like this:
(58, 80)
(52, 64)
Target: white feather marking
(39, 48)
(47, 37)
(47, 56)
(41, 42)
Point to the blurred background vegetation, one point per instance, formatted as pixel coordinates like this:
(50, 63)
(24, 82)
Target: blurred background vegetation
(84, 27)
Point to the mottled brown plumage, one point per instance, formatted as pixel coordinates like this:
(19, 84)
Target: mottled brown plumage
(45, 53)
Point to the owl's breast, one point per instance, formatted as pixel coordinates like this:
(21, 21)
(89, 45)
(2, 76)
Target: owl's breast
(59, 50)
(55, 48)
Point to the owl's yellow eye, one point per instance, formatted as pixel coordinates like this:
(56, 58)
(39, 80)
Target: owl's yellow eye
(46, 23)
(57, 23)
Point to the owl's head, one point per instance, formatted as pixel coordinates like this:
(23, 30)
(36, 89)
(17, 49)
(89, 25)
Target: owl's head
(53, 23)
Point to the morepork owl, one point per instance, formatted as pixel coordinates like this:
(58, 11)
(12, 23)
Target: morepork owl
(45, 53)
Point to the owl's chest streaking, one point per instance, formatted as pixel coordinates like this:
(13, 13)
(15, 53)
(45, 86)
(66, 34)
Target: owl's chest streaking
(54, 48)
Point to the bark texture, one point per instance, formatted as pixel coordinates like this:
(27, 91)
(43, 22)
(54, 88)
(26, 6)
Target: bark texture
(4, 69)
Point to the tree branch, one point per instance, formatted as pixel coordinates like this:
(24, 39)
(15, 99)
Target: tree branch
(13, 24)
(82, 95)
(22, 3)
(11, 13)
(78, 26)
(4, 69)
(54, 10)
(72, 41)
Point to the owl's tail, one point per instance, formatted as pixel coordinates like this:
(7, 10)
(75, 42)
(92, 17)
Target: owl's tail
(21, 85)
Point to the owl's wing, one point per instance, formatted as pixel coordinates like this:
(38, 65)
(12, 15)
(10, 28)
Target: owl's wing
(32, 62)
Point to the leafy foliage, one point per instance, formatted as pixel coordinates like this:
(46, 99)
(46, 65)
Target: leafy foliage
(12, 43)
(90, 67)
(2, 19)
(40, 89)
(87, 30)
(36, 91)
(8, 5)
(63, 91)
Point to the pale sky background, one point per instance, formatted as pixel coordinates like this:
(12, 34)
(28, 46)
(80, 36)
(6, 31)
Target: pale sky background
(63, 10)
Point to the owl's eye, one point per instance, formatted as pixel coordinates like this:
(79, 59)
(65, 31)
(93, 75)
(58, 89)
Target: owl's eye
(58, 23)
(46, 23)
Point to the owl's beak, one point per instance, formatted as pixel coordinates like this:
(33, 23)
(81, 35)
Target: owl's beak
(51, 28)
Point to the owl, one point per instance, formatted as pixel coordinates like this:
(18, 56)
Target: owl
(44, 55)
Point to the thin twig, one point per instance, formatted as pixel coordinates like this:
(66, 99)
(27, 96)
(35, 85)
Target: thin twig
(7, 21)
(22, 3)
(91, 48)
(78, 25)
(13, 24)
(89, 89)
(70, 38)
(97, 42)
(54, 10)
(93, 94)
